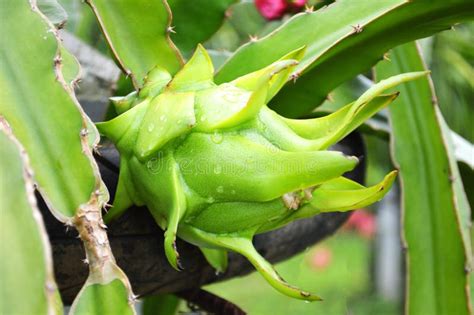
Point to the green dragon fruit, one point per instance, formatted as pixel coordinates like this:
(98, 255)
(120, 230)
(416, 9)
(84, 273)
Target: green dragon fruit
(215, 165)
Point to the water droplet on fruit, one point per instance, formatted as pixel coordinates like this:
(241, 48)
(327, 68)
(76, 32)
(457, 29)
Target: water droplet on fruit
(210, 200)
(151, 127)
(217, 137)
(220, 189)
(231, 96)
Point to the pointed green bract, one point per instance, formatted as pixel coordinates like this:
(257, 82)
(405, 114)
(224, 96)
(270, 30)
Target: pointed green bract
(334, 127)
(215, 166)
(272, 73)
(217, 258)
(168, 116)
(197, 73)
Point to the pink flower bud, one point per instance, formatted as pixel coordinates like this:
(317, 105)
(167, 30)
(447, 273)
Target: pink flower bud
(272, 9)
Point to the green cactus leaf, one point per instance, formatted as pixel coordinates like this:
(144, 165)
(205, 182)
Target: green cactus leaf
(343, 40)
(41, 112)
(103, 298)
(196, 21)
(28, 285)
(435, 209)
(53, 11)
(137, 32)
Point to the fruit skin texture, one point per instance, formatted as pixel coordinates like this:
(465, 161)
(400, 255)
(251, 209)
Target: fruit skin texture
(215, 166)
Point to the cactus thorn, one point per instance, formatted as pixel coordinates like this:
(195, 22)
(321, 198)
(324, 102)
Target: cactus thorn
(170, 29)
(294, 76)
(85, 261)
(133, 299)
(84, 132)
(96, 150)
(57, 60)
(253, 38)
(357, 28)
(309, 9)
(330, 98)
(50, 286)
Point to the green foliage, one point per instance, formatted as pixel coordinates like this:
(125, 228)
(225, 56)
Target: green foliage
(165, 304)
(38, 103)
(26, 266)
(342, 40)
(196, 21)
(107, 298)
(138, 35)
(40, 110)
(436, 212)
(452, 62)
(345, 282)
